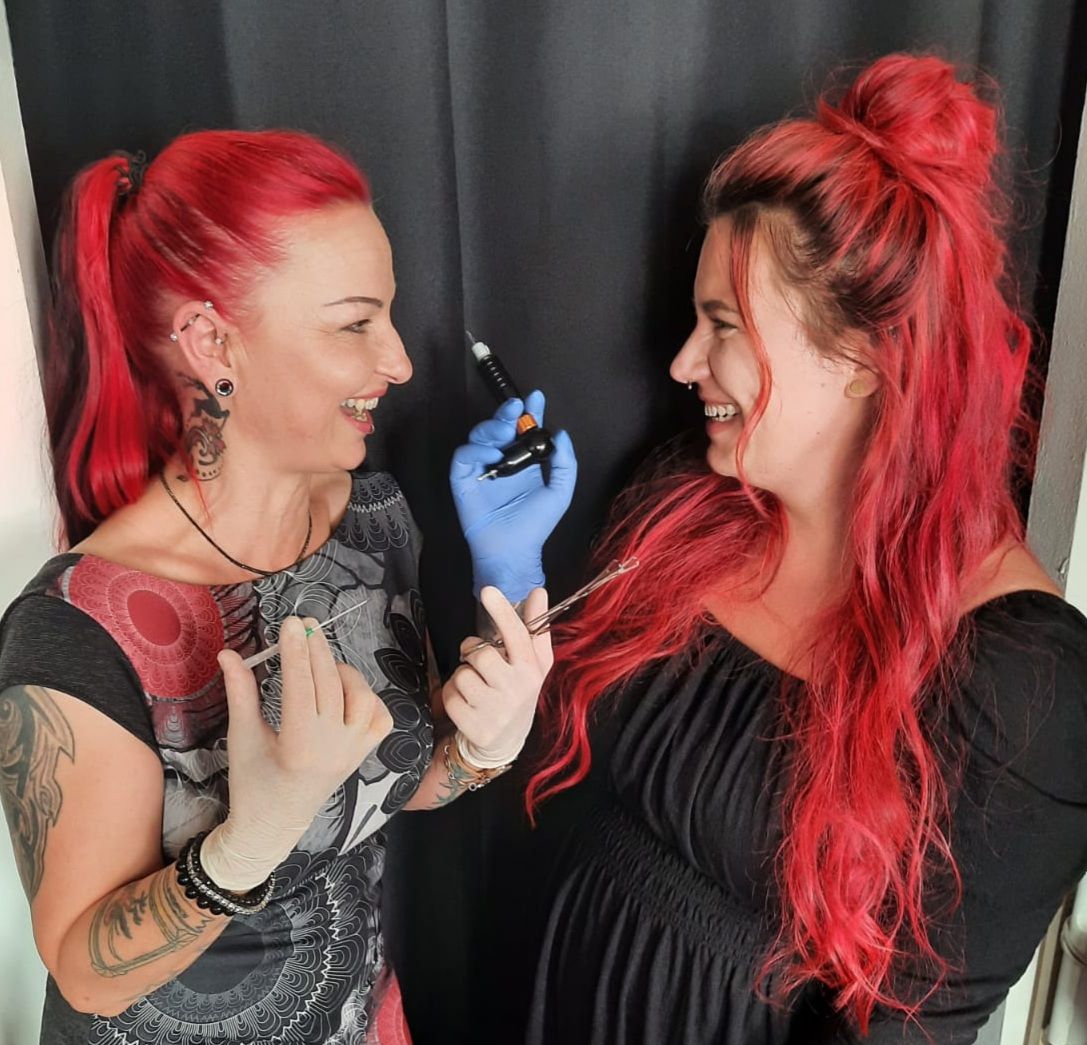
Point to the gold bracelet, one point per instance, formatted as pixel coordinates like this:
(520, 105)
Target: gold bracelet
(461, 773)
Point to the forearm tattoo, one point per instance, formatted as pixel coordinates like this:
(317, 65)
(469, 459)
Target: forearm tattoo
(119, 943)
(34, 736)
(204, 430)
(454, 777)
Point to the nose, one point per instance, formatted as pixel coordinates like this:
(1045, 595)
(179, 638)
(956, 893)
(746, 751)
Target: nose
(690, 364)
(394, 363)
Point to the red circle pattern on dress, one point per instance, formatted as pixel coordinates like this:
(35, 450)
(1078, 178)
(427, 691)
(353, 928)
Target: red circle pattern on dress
(170, 632)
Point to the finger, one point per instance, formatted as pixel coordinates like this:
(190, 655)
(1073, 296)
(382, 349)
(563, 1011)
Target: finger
(494, 432)
(242, 695)
(470, 684)
(299, 700)
(487, 661)
(511, 628)
(471, 459)
(362, 707)
(460, 712)
(536, 405)
(535, 606)
(563, 477)
(510, 410)
(327, 688)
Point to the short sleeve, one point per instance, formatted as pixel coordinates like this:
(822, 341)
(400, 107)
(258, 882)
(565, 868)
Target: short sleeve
(1019, 824)
(45, 641)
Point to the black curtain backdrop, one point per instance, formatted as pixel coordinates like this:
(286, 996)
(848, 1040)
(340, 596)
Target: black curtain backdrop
(537, 166)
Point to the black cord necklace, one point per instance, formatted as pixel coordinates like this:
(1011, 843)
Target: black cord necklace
(226, 555)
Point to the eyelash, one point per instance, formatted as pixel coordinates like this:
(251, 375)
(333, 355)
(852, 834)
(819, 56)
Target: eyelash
(720, 324)
(357, 326)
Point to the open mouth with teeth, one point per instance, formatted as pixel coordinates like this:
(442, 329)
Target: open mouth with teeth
(722, 411)
(359, 410)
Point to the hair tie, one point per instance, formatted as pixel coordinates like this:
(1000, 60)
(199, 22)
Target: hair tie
(130, 173)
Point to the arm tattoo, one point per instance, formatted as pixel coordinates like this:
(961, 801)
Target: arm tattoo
(114, 949)
(204, 430)
(454, 781)
(34, 734)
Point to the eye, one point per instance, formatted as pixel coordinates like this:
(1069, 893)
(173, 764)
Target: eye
(721, 325)
(358, 327)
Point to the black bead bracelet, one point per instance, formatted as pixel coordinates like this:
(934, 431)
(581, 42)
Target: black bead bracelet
(198, 886)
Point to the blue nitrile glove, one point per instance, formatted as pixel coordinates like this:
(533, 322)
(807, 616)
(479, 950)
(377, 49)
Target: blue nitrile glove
(506, 521)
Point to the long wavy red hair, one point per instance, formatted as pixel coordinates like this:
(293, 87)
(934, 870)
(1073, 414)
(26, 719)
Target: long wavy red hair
(883, 212)
(200, 223)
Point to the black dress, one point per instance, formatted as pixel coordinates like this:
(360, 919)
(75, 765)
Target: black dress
(665, 906)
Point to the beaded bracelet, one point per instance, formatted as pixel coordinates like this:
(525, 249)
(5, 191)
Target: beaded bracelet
(476, 778)
(208, 896)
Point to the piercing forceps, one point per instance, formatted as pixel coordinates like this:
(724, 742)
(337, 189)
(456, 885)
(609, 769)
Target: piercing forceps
(538, 625)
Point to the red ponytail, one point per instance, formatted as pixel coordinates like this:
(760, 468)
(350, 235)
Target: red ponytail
(198, 224)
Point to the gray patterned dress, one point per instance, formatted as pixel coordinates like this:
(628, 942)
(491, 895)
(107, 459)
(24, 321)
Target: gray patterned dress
(305, 968)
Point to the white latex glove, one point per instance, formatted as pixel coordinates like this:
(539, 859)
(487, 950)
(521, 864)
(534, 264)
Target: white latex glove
(331, 720)
(491, 698)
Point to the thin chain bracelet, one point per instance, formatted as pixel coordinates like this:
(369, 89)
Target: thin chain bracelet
(480, 778)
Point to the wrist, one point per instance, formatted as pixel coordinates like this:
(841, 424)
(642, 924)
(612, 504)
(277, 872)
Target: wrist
(228, 865)
(480, 760)
(514, 581)
(463, 774)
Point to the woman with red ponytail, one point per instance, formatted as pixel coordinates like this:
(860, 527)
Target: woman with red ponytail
(844, 793)
(212, 703)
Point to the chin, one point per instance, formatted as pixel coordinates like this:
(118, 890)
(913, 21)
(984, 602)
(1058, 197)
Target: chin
(722, 461)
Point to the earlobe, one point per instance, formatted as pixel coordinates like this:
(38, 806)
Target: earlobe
(862, 385)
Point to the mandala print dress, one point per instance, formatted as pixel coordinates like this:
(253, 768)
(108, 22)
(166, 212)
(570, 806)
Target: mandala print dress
(309, 968)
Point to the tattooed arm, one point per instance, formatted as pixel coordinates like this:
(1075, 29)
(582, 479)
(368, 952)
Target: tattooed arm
(83, 800)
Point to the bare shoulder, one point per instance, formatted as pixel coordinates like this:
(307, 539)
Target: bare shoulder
(1010, 568)
(144, 536)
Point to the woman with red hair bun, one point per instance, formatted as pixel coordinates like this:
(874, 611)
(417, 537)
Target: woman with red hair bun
(195, 775)
(844, 792)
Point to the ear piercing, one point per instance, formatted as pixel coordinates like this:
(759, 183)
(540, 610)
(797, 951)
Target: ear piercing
(192, 319)
(224, 387)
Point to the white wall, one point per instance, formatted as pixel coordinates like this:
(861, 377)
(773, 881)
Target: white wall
(26, 505)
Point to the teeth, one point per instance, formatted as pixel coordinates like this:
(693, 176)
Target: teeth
(359, 406)
(721, 411)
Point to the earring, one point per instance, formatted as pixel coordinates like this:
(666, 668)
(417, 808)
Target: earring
(224, 387)
(855, 389)
(173, 335)
(209, 306)
(689, 385)
(218, 340)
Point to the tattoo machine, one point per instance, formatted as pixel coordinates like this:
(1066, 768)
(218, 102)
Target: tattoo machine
(271, 651)
(533, 443)
(538, 625)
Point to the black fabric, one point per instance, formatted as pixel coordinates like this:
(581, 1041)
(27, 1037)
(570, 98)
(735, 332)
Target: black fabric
(537, 167)
(667, 907)
(45, 641)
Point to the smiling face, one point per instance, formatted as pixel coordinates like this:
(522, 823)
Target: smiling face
(316, 348)
(818, 408)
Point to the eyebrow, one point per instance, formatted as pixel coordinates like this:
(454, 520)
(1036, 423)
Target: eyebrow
(716, 305)
(356, 300)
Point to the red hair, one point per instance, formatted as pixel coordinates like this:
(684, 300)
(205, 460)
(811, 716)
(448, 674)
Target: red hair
(883, 212)
(200, 223)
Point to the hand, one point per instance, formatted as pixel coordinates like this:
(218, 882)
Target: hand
(331, 720)
(506, 521)
(492, 698)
